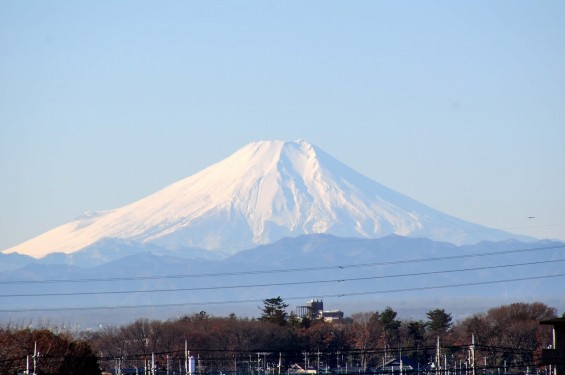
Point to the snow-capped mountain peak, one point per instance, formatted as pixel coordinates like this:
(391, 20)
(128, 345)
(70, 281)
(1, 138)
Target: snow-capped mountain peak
(263, 192)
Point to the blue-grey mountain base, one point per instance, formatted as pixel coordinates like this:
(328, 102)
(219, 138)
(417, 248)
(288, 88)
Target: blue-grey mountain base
(274, 219)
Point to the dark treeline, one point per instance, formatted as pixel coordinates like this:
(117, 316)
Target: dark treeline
(52, 353)
(508, 336)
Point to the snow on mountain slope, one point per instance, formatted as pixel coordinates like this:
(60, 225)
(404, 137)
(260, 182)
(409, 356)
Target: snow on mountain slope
(263, 192)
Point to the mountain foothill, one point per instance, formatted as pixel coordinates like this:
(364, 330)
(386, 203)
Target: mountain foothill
(274, 218)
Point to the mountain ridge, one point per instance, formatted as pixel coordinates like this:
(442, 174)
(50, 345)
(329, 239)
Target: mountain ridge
(265, 191)
(345, 272)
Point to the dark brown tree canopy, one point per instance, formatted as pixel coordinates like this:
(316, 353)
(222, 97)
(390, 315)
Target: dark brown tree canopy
(57, 353)
(507, 335)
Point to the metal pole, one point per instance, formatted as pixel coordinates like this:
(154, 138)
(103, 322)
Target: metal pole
(473, 353)
(35, 359)
(400, 357)
(445, 362)
(438, 356)
(337, 364)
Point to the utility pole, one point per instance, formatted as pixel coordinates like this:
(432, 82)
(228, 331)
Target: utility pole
(445, 363)
(35, 355)
(400, 358)
(186, 356)
(473, 353)
(438, 356)
(337, 364)
(264, 354)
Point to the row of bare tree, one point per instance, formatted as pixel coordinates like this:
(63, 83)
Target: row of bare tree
(42, 351)
(508, 335)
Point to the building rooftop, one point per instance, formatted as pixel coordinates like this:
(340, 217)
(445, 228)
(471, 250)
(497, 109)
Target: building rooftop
(554, 322)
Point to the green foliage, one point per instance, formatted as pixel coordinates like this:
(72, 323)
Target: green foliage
(438, 321)
(386, 322)
(274, 311)
(388, 318)
(416, 330)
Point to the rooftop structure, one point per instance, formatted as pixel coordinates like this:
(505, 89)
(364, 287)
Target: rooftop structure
(314, 309)
(556, 355)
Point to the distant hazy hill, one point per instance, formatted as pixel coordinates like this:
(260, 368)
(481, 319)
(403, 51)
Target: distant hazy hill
(348, 273)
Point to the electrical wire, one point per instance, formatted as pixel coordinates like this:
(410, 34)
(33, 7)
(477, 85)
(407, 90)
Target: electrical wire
(277, 284)
(286, 298)
(289, 270)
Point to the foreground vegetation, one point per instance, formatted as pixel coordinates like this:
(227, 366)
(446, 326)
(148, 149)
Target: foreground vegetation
(508, 336)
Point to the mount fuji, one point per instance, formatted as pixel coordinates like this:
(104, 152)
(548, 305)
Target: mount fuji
(265, 191)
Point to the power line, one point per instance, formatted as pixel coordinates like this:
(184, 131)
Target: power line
(286, 298)
(289, 270)
(278, 284)
(216, 354)
(452, 285)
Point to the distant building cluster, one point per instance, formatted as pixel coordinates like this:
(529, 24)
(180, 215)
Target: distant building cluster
(314, 309)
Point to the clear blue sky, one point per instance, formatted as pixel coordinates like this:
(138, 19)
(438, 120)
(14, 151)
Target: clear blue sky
(460, 105)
